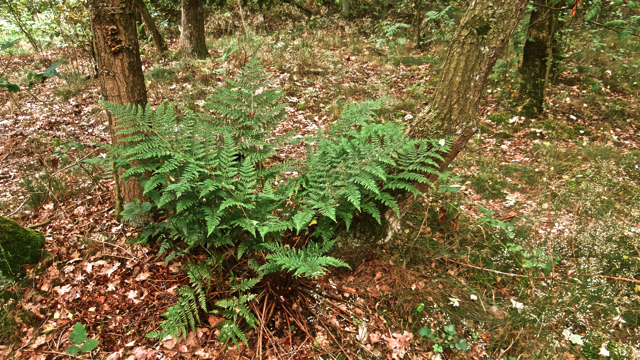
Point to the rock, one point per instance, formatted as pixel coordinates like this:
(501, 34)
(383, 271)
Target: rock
(19, 246)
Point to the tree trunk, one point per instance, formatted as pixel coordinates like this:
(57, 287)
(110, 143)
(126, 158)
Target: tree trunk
(192, 38)
(345, 8)
(120, 70)
(150, 24)
(535, 59)
(479, 40)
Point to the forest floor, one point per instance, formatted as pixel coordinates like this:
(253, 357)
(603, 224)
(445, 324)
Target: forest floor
(472, 264)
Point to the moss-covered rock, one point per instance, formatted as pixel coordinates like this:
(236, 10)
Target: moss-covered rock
(19, 245)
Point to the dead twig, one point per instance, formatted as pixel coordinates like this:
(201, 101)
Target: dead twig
(19, 207)
(44, 223)
(118, 246)
(344, 352)
(554, 276)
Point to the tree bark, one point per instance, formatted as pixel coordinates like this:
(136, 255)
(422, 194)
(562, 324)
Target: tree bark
(483, 33)
(120, 70)
(535, 59)
(345, 8)
(150, 24)
(192, 38)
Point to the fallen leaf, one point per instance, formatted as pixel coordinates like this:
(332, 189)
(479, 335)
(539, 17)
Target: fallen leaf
(143, 276)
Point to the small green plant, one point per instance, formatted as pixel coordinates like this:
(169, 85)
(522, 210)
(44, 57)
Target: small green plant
(448, 339)
(74, 84)
(50, 72)
(43, 188)
(391, 35)
(79, 337)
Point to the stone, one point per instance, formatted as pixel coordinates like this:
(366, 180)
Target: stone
(18, 246)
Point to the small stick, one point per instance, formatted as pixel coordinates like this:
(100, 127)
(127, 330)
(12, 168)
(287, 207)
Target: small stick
(422, 225)
(548, 277)
(19, 207)
(44, 223)
(118, 246)
(551, 224)
(61, 354)
(573, 236)
(298, 322)
(264, 310)
(344, 352)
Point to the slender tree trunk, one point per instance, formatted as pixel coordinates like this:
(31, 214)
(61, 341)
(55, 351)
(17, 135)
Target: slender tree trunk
(138, 18)
(119, 70)
(22, 27)
(345, 8)
(192, 38)
(150, 24)
(535, 59)
(483, 33)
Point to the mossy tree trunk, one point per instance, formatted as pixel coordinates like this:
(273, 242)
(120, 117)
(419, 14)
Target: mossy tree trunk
(481, 36)
(119, 70)
(192, 40)
(535, 59)
(150, 24)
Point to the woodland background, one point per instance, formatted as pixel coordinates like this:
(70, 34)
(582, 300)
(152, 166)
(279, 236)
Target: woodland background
(526, 247)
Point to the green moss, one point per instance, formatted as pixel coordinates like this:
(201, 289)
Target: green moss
(20, 246)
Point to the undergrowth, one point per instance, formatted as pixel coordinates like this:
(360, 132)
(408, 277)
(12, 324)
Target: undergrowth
(214, 181)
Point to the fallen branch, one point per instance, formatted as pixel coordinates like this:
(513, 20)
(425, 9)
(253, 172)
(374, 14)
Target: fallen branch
(555, 276)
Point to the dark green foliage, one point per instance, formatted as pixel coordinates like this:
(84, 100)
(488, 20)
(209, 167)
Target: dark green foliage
(18, 246)
(308, 261)
(206, 174)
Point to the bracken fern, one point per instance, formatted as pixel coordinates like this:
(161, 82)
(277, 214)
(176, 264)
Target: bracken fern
(206, 174)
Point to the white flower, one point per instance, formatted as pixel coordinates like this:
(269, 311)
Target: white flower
(513, 119)
(442, 142)
(473, 297)
(517, 305)
(454, 301)
(576, 339)
(603, 350)
(408, 117)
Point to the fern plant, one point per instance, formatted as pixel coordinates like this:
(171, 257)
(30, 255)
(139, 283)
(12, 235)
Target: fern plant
(207, 175)
(180, 318)
(235, 309)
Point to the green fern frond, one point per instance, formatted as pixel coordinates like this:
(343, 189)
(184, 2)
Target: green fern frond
(180, 318)
(308, 261)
